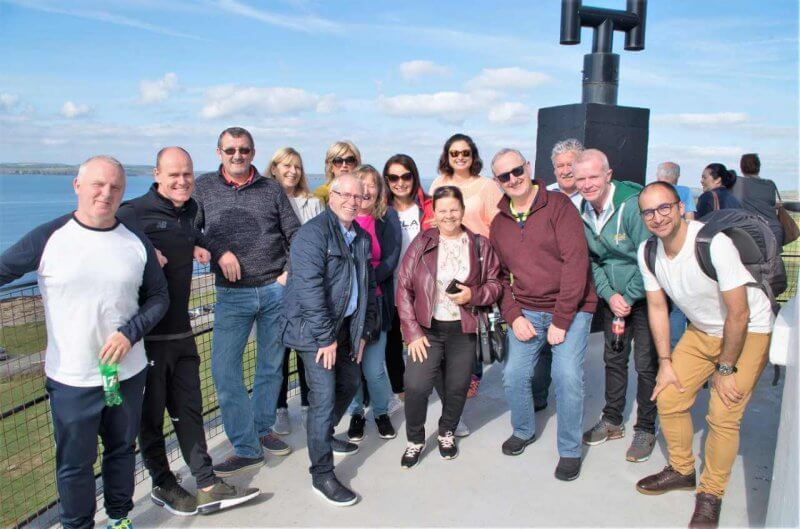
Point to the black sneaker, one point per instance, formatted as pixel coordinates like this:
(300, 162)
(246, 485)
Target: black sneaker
(343, 448)
(174, 499)
(356, 430)
(539, 407)
(385, 428)
(275, 445)
(514, 446)
(334, 492)
(235, 464)
(568, 468)
(447, 446)
(223, 496)
(411, 455)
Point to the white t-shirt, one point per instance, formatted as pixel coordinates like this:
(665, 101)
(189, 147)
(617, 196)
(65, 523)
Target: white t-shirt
(409, 226)
(699, 296)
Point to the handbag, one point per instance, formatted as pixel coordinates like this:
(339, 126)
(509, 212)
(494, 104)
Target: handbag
(791, 231)
(491, 343)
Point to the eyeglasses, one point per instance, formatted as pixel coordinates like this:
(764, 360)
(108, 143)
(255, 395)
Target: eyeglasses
(394, 178)
(517, 171)
(230, 151)
(347, 197)
(339, 161)
(466, 153)
(663, 210)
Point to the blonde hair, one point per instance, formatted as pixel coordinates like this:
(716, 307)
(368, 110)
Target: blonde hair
(340, 148)
(282, 155)
(379, 208)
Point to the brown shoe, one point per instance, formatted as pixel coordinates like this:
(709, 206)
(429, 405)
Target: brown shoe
(665, 481)
(706, 511)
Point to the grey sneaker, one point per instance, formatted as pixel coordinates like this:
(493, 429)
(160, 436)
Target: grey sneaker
(603, 431)
(174, 499)
(223, 496)
(641, 447)
(282, 426)
(461, 429)
(274, 445)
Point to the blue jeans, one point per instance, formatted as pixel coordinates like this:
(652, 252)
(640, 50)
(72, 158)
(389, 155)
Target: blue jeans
(567, 372)
(677, 325)
(246, 418)
(380, 390)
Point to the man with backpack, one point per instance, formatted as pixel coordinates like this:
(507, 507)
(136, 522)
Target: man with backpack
(728, 340)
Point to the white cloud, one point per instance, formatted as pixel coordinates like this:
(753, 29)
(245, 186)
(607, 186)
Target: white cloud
(700, 119)
(511, 113)
(413, 70)
(223, 101)
(304, 23)
(157, 90)
(506, 78)
(449, 107)
(8, 101)
(74, 110)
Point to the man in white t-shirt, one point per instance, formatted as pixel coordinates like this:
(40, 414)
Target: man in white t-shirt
(728, 340)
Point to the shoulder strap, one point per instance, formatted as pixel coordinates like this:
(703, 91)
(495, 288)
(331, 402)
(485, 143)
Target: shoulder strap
(702, 251)
(478, 255)
(650, 247)
(716, 200)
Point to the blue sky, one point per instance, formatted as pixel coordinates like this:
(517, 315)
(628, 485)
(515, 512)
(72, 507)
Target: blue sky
(127, 77)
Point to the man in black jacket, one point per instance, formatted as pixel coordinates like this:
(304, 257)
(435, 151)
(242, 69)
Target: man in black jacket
(329, 315)
(166, 214)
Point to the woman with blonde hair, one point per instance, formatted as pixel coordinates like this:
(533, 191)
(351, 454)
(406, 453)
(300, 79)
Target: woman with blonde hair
(383, 226)
(286, 167)
(342, 157)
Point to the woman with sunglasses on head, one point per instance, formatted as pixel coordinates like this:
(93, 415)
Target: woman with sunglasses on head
(415, 212)
(446, 273)
(383, 227)
(717, 182)
(286, 167)
(342, 157)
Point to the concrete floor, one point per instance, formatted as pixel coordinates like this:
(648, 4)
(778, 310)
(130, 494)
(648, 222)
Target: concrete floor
(484, 488)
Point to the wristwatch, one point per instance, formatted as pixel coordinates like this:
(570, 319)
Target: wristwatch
(725, 370)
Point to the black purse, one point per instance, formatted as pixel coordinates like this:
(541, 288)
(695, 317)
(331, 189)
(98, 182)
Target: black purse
(491, 343)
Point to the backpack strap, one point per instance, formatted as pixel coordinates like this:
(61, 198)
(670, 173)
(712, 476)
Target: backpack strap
(716, 200)
(650, 247)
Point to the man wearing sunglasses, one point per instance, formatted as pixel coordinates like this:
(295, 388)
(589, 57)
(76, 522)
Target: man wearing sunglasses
(248, 224)
(548, 299)
(727, 341)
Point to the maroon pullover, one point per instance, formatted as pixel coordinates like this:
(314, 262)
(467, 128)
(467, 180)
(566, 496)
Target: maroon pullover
(547, 258)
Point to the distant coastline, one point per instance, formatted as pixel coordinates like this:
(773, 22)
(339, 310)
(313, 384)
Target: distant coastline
(62, 169)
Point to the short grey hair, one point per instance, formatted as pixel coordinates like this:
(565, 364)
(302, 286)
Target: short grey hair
(668, 172)
(503, 152)
(589, 154)
(104, 158)
(335, 183)
(236, 132)
(570, 144)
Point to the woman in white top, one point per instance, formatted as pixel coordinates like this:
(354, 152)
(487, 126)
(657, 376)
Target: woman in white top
(286, 167)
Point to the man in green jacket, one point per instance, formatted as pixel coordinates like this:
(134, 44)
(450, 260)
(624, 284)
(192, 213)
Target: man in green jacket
(614, 230)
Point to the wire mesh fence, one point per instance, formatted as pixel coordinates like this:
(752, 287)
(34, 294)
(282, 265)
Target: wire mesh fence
(27, 452)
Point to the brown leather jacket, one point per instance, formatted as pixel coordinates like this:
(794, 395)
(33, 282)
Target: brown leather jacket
(416, 283)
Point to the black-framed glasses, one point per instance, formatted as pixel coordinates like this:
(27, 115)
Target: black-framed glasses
(517, 171)
(663, 210)
(347, 197)
(466, 153)
(230, 151)
(339, 161)
(394, 178)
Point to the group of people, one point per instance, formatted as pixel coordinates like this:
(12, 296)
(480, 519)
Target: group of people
(364, 269)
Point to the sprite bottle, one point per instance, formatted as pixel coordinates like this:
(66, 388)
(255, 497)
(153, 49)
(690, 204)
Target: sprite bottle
(110, 375)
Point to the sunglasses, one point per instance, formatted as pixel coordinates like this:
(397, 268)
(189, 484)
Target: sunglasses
(339, 161)
(394, 178)
(230, 151)
(505, 177)
(466, 153)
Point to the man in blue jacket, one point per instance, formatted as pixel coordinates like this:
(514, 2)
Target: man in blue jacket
(329, 315)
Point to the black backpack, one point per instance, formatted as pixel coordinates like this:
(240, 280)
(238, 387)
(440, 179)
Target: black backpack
(753, 239)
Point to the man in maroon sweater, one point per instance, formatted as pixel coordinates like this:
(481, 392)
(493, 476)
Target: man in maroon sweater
(548, 297)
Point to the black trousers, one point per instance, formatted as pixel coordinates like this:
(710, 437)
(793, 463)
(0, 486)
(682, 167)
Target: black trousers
(645, 360)
(173, 383)
(395, 366)
(451, 356)
(301, 376)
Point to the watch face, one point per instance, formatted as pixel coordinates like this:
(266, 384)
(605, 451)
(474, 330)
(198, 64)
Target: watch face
(725, 370)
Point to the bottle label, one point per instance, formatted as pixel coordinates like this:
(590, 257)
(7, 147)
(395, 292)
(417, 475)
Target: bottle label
(618, 326)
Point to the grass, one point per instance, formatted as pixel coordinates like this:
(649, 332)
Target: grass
(24, 339)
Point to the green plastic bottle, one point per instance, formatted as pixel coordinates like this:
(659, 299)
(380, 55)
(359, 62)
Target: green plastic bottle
(110, 375)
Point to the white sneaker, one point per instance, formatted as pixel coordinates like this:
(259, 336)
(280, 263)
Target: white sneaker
(461, 429)
(282, 426)
(395, 405)
(303, 416)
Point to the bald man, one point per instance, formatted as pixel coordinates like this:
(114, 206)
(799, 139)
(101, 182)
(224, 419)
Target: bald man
(103, 291)
(166, 215)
